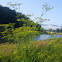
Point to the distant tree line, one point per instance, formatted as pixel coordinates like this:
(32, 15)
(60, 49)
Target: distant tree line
(57, 30)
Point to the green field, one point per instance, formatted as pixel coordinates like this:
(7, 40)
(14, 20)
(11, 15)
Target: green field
(33, 51)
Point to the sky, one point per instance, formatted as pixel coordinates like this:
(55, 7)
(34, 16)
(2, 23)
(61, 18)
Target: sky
(35, 7)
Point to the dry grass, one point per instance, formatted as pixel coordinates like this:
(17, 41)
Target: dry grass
(40, 43)
(6, 48)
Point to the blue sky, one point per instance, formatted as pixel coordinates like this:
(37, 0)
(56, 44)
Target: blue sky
(35, 7)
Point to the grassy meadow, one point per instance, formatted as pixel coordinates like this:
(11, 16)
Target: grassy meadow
(33, 51)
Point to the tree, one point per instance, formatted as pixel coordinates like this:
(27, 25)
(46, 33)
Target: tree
(57, 30)
(50, 30)
(61, 30)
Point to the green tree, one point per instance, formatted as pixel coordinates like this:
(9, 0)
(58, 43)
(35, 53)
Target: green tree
(50, 30)
(57, 30)
(61, 30)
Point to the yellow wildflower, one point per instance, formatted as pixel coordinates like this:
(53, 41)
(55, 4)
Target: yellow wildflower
(15, 52)
(0, 56)
(24, 47)
(38, 53)
(16, 58)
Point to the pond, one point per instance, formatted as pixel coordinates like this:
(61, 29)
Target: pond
(46, 36)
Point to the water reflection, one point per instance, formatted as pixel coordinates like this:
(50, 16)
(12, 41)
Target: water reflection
(44, 36)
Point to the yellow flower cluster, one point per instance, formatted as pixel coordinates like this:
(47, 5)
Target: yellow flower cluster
(24, 47)
(15, 52)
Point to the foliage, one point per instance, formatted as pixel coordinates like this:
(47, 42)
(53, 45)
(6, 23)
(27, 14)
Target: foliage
(58, 30)
(18, 34)
(39, 51)
(21, 23)
(11, 34)
(9, 16)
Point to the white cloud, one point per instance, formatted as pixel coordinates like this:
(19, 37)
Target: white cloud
(48, 26)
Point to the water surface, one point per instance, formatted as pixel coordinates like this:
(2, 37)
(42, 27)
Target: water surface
(46, 36)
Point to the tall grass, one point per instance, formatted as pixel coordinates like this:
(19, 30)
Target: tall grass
(33, 51)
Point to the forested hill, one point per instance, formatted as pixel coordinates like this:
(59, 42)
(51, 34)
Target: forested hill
(9, 16)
